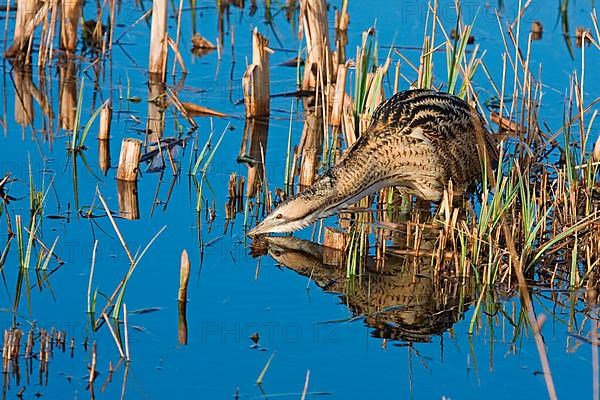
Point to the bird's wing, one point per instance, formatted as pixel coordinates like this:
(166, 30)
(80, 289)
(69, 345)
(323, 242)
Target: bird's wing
(425, 115)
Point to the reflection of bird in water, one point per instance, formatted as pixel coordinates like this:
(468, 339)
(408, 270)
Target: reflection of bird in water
(418, 141)
(398, 303)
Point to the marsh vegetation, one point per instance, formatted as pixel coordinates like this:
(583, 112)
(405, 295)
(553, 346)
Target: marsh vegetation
(142, 140)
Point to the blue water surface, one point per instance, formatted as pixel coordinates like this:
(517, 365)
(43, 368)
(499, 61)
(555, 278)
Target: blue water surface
(229, 300)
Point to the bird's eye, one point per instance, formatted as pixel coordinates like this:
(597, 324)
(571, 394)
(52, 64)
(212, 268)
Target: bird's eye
(277, 253)
(279, 216)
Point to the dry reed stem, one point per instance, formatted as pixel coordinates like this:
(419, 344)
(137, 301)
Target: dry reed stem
(256, 80)
(70, 12)
(45, 37)
(114, 335)
(29, 15)
(143, 17)
(344, 17)
(184, 277)
(196, 109)
(184, 108)
(314, 26)
(348, 121)
(339, 96)
(305, 389)
(178, 57)
(177, 37)
(126, 329)
(112, 23)
(116, 228)
(342, 20)
(158, 38)
(105, 120)
(53, 23)
(507, 125)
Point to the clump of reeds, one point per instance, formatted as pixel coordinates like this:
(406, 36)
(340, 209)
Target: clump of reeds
(530, 217)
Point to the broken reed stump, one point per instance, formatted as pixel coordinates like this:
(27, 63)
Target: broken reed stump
(311, 143)
(127, 193)
(158, 38)
(129, 160)
(256, 82)
(105, 119)
(308, 167)
(104, 136)
(10, 350)
(314, 26)
(184, 276)
(70, 14)
(334, 244)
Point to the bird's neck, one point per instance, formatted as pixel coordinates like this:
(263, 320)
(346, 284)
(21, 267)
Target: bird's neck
(343, 185)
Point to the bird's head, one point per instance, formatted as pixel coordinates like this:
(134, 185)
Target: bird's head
(292, 215)
(289, 216)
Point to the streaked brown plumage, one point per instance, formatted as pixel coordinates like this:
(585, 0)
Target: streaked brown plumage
(418, 141)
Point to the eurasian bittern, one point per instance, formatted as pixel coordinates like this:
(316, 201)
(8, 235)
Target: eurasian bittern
(417, 141)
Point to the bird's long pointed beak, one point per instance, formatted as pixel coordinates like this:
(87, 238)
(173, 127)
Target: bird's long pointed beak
(253, 231)
(258, 229)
